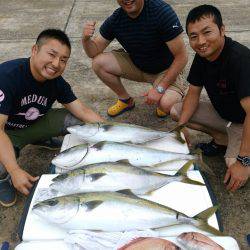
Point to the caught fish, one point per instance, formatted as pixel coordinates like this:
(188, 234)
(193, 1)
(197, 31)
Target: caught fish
(197, 241)
(115, 211)
(116, 132)
(149, 243)
(136, 155)
(116, 176)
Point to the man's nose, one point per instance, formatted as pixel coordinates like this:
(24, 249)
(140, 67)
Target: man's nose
(56, 62)
(201, 39)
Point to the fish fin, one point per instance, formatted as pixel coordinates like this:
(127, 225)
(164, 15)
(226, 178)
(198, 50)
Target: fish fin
(127, 192)
(180, 137)
(177, 128)
(97, 176)
(107, 127)
(99, 145)
(183, 172)
(203, 218)
(126, 161)
(60, 177)
(92, 204)
(201, 164)
(157, 165)
(193, 182)
(206, 214)
(151, 140)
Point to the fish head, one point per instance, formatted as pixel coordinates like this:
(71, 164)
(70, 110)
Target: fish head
(58, 182)
(85, 131)
(61, 177)
(196, 241)
(57, 210)
(71, 156)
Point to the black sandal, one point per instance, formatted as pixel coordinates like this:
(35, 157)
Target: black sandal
(212, 148)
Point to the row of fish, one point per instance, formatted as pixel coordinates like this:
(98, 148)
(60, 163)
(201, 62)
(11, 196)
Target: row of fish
(102, 180)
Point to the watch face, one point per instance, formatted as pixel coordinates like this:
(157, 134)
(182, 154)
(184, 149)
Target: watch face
(160, 90)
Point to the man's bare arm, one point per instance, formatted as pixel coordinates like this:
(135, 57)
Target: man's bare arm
(190, 104)
(93, 46)
(21, 180)
(178, 49)
(82, 112)
(237, 174)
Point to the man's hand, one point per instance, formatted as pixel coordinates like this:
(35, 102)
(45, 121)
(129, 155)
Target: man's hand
(153, 97)
(22, 181)
(237, 175)
(88, 30)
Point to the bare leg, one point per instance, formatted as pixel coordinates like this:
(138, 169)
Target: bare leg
(108, 70)
(219, 137)
(169, 99)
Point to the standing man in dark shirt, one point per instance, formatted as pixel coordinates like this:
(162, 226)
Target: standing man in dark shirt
(151, 34)
(222, 66)
(28, 88)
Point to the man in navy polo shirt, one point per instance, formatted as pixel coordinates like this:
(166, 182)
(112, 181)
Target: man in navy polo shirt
(154, 52)
(28, 88)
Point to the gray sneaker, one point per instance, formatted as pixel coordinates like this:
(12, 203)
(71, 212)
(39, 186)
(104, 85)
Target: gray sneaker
(7, 192)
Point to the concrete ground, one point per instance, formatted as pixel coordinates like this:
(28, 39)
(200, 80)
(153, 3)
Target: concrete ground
(20, 23)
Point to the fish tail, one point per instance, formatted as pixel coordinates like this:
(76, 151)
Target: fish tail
(201, 164)
(183, 172)
(179, 134)
(203, 217)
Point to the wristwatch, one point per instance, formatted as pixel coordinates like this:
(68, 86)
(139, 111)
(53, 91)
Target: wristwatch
(244, 160)
(160, 89)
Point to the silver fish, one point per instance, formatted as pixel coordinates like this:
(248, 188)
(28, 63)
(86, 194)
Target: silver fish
(116, 176)
(116, 132)
(137, 155)
(113, 211)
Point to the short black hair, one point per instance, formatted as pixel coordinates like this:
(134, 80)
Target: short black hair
(204, 10)
(53, 34)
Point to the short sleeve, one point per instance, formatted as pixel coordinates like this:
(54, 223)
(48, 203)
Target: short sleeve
(106, 29)
(65, 94)
(169, 24)
(6, 95)
(243, 76)
(195, 73)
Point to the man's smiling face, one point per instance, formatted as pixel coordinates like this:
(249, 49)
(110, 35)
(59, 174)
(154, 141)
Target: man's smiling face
(205, 37)
(49, 60)
(132, 7)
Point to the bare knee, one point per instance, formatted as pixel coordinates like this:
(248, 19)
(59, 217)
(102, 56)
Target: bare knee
(98, 62)
(169, 99)
(175, 111)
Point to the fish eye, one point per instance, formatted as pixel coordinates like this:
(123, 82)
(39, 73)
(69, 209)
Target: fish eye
(52, 203)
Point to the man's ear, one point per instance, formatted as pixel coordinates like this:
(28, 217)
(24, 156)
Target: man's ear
(34, 49)
(222, 30)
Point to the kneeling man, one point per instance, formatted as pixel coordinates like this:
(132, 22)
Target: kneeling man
(222, 66)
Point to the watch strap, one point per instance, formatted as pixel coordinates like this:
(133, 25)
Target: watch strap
(244, 160)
